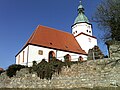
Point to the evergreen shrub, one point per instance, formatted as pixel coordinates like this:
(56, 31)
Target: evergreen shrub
(1, 71)
(46, 69)
(11, 71)
(95, 53)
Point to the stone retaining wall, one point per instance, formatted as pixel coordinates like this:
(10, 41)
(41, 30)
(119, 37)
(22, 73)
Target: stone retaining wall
(114, 49)
(104, 73)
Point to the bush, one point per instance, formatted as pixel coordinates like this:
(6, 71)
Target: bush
(97, 53)
(40, 69)
(1, 71)
(46, 69)
(34, 63)
(56, 65)
(33, 68)
(11, 71)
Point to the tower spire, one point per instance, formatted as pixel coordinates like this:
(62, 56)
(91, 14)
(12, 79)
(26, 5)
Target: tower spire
(81, 15)
(82, 30)
(80, 8)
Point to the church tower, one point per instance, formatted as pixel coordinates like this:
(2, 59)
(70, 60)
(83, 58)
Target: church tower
(82, 30)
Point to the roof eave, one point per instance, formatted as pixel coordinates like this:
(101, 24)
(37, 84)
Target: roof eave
(81, 22)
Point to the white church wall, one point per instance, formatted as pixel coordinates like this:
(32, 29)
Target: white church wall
(74, 57)
(82, 27)
(86, 42)
(21, 58)
(31, 53)
(35, 56)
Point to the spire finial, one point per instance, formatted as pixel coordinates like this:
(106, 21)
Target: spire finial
(80, 7)
(80, 2)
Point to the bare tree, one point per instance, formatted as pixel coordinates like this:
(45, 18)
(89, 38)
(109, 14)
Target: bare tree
(108, 17)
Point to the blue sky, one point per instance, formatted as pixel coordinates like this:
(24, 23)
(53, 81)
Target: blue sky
(19, 18)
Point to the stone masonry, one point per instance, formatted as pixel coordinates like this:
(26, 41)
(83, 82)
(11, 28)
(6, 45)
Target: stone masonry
(103, 73)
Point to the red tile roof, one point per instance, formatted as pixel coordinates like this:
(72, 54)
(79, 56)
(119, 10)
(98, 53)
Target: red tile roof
(56, 39)
(1, 69)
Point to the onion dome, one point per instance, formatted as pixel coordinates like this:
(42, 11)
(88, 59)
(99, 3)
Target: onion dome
(81, 15)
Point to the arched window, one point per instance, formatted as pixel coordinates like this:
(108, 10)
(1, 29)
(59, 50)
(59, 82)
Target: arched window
(67, 57)
(19, 59)
(51, 55)
(80, 58)
(23, 55)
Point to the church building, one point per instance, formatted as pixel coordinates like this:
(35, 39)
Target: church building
(46, 43)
